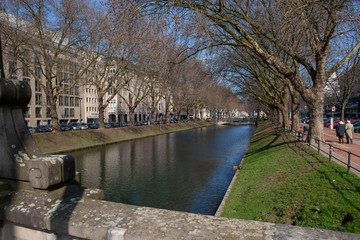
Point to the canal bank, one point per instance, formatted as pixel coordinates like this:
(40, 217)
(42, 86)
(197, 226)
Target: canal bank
(283, 181)
(59, 142)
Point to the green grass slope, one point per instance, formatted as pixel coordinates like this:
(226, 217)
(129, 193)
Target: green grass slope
(283, 181)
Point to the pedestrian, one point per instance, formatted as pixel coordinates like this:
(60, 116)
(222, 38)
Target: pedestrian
(340, 131)
(349, 130)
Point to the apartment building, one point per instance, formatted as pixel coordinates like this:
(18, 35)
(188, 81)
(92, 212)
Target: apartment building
(77, 97)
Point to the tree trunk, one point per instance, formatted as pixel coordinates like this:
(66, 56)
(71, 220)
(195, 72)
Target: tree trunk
(316, 111)
(343, 106)
(2, 72)
(101, 112)
(153, 116)
(280, 117)
(54, 116)
(132, 116)
(295, 111)
(284, 115)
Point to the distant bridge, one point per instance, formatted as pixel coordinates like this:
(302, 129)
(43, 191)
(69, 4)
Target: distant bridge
(236, 121)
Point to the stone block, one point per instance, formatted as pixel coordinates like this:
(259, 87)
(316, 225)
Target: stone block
(44, 172)
(48, 171)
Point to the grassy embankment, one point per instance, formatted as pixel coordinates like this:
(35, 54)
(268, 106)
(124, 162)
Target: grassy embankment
(283, 181)
(67, 141)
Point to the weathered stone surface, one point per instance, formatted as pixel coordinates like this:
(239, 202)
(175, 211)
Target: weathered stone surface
(16, 142)
(86, 218)
(51, 170)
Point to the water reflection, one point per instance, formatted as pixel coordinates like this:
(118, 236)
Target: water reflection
(186, 171)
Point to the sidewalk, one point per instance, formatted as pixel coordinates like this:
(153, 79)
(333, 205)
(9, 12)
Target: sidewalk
(330, 138)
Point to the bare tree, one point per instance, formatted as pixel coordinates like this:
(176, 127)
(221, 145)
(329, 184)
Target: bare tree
(306, 31)
(344, 84)
(47, 37)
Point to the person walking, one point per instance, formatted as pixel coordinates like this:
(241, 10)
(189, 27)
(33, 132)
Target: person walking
(349, 130)
(340, 131)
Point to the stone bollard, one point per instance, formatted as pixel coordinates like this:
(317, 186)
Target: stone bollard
(20, 157)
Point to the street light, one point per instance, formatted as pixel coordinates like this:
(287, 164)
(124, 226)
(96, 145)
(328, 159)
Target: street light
(80, 110)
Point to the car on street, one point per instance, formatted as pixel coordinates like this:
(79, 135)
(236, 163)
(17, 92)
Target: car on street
(107, 125)
(173, 121)
(115, 124)
(93, 126)
(42, 129)
(137, 123)
(74, 126)
(64, 127)
(31, 129)
(50, 127)
(84, 126)
(357, 127)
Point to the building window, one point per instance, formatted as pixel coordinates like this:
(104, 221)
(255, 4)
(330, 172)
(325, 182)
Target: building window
(61, 101)
(37, 86)
(25, 71)
(38, 99)
(38, 112)
(38, 72)
(76, 90)
(72, 112)
(66, 112)
(12, 69)
(66, 90)
(72, 101)
(37, 58)
(48, 112)
(77, 100)
(66, 101)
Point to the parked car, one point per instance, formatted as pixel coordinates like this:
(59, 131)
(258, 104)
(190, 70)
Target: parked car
(115, 124)
(107, 125)
(183, 120)
(32, 130)
(357, 127)
(42, 128)
(84, 126)
(173, 121)
(50, 127)
(137, 123)
(74, 126)
(157, 122)
(126, 124)
(92, 126)
(64, 127)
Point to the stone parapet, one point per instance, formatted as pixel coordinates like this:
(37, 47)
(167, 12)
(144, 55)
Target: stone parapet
(84, 216)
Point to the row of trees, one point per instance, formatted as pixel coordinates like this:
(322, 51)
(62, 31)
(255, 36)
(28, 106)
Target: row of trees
(275, 50)
(115, 47)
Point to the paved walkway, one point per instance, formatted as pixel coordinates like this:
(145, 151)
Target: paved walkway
(340, 151)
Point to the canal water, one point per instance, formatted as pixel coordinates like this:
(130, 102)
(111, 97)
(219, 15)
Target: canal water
(186, 171)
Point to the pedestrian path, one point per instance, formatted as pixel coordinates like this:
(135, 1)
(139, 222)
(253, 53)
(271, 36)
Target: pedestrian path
(341, 156)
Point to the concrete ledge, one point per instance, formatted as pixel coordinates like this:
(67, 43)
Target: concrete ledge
(87, 218)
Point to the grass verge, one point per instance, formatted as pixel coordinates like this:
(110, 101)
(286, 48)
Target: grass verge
(283, 181)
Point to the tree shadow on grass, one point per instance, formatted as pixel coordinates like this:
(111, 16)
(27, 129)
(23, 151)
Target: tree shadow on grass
(314, 159)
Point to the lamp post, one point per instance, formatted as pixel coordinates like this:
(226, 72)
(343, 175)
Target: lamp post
(80, 110)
